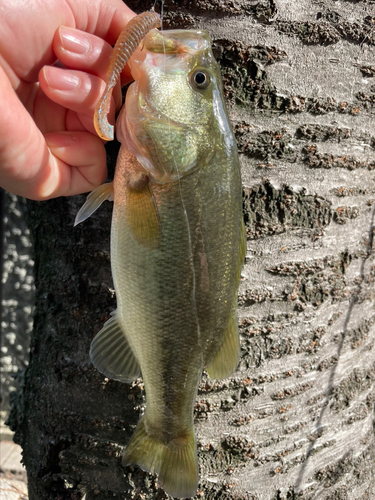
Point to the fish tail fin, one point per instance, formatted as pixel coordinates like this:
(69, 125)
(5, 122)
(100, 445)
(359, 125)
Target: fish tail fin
(175, 462)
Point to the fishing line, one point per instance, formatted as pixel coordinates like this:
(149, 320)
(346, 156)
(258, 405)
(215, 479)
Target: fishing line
(161, 11)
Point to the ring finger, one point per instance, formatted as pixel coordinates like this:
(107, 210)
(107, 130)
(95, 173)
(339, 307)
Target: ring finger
(74, 90)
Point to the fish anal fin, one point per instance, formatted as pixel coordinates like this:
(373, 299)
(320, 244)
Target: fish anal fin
(141, 213)
(226, 359)
(174, 462)
(93, 201)
(111, 353)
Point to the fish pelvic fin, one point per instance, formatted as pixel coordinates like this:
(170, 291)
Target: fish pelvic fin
(111, 353)
(175, 462)
(93, 201)
(226, 359)
(141, 213)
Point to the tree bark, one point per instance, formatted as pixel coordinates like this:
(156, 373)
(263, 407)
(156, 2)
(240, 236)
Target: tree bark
(296, 419)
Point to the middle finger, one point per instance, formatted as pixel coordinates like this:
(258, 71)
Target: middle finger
(77, 49)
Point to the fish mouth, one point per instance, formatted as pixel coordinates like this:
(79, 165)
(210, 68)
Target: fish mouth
(176, 41)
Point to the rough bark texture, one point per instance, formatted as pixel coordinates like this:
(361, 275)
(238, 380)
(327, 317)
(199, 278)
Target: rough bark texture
(296, 420)
(18, 298)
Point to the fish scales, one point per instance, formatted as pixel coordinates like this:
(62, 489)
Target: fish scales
(167, 294)
(177, 247)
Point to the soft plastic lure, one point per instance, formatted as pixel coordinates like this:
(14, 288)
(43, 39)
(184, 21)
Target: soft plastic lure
(128, 41)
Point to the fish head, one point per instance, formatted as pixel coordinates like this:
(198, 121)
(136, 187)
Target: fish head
(175, 107)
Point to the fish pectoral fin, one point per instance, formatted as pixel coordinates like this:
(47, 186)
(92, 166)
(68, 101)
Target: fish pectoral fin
(111, 353)
(94, 200)
(142, 215)
(226, 359)
(175, 462)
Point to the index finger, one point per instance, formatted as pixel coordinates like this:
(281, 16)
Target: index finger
(103, 19)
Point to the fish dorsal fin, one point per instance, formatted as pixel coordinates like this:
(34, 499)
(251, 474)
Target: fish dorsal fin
(141, 213)
(226, 359)
(111, 353)
(94, 200)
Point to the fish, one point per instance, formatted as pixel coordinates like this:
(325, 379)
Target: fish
(178, 244)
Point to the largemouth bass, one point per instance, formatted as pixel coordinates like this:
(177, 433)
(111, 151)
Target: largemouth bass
(177, 247)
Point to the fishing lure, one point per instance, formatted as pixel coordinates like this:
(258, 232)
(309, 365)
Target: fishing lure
(129, 39)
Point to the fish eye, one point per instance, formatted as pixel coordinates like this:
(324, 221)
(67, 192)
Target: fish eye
(200, 79)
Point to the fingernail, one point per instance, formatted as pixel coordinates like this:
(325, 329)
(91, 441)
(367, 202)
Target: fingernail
(74, 40)
(60, 79)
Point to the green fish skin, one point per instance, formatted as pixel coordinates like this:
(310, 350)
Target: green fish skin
(177, 247)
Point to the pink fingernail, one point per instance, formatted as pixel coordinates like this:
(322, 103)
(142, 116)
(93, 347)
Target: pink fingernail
(74, 40)
(60, 79)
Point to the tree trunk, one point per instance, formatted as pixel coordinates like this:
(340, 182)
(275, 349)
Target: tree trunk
(296, 419)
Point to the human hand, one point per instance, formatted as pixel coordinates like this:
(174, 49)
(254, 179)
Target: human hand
(48, 145)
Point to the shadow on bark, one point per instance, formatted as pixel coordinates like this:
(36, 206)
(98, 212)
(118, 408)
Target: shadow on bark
(353, 301)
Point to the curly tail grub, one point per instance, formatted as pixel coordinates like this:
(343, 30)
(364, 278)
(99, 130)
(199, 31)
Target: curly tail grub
(129, 39)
